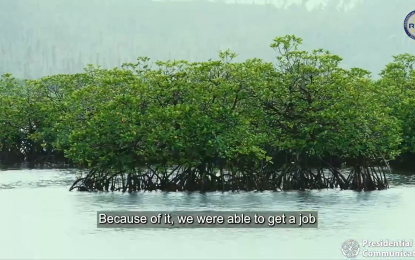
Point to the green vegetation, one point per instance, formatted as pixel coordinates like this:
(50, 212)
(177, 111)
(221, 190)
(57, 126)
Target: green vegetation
(216, 125)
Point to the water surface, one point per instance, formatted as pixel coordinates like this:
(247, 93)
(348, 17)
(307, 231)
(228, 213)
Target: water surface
(41, 219)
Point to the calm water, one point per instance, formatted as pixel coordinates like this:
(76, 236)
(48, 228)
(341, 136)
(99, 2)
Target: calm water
(40, 219)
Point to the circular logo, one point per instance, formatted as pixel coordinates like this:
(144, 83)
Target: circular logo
(350, 248)
(409, 25)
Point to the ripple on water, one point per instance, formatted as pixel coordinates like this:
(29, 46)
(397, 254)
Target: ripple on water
(36, 178)
(38, 202)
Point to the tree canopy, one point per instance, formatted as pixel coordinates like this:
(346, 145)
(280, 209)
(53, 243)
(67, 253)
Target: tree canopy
(263, 123)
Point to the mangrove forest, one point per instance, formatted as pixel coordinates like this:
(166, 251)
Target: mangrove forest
(300, 122)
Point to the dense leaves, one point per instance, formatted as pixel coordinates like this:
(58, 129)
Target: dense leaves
(255, 123)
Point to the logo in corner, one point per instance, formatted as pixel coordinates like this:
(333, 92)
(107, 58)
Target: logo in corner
(409, 25)
(350, 248)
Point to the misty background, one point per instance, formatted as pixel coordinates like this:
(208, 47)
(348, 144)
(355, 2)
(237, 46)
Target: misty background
(45, 37)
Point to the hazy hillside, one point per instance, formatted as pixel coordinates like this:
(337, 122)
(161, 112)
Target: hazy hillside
(44, 37)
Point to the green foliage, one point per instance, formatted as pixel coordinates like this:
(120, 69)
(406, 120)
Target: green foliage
(397, 89)
(227, 114)
(20, 117)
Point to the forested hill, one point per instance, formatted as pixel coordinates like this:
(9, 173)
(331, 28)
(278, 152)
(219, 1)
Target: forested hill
(46, 37)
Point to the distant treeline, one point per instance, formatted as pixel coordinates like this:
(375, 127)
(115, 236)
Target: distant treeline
(216, 125)
(43, 37)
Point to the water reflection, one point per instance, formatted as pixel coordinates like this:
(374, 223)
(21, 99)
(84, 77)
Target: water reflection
(38, 202)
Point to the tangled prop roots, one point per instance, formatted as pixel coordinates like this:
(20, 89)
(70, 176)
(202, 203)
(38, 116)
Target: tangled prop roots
(292, 177)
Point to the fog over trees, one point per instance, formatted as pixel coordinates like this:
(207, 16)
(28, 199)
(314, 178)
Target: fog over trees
(44, 37)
